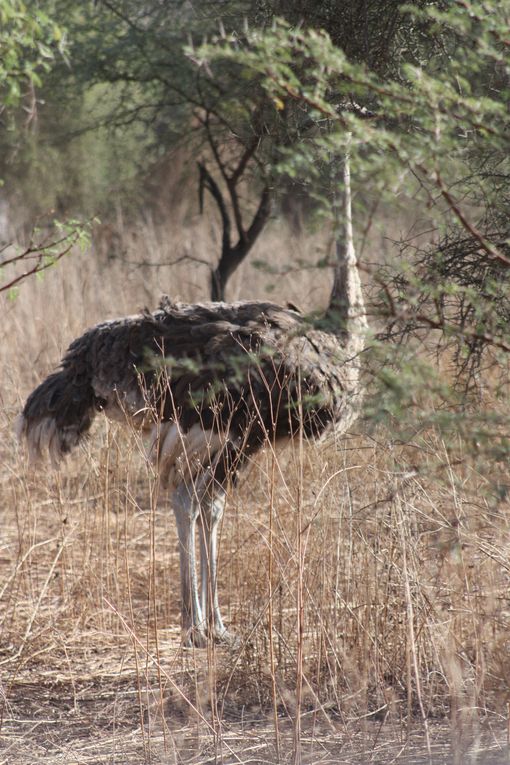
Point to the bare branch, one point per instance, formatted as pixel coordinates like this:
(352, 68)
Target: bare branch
(207, 182)
(470, 227)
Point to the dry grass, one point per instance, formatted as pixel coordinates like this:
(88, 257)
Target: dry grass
(368, 582)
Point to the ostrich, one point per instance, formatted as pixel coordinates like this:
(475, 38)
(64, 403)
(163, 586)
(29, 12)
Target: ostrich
(209, 383)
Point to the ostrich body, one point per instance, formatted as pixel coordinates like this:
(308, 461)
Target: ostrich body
(210, 384)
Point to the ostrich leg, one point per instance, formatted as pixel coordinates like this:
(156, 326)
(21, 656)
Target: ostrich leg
(186, 511)
(210, 517)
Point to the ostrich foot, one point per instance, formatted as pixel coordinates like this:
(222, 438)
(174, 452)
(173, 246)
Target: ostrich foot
(194, 637)
(198, 636)
(225, 637)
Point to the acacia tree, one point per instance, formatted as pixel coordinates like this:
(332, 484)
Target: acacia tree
(140, 59)
(133, 56)
(438, 131)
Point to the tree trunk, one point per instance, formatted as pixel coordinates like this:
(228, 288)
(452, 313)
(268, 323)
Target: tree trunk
(232, 255)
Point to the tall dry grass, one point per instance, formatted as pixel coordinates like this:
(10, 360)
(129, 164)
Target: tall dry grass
(368, 581)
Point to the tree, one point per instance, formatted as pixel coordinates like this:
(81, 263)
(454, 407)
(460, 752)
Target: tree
(29, 40)
(139, 61)
(437, 132)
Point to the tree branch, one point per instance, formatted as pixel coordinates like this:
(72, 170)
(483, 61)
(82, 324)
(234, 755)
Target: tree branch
(206, 181)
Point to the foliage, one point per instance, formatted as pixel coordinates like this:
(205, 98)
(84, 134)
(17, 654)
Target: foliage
(439, 132)
(43, 251)
(423, 91)
(132, 94)
(29, 38)
(375, 33)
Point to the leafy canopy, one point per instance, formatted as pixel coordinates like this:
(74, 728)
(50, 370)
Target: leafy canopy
(29, 38)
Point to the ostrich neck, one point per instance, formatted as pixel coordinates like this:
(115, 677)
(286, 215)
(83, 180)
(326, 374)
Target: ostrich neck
(346, 310)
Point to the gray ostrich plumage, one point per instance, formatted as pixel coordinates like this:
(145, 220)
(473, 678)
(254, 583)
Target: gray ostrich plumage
(209, 383)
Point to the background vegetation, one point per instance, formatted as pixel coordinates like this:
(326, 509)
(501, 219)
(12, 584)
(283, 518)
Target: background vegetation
(208, 138)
